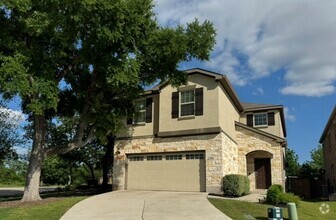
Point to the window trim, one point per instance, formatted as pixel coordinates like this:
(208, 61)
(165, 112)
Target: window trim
(186, 103)
(266, 116)
(141, 111)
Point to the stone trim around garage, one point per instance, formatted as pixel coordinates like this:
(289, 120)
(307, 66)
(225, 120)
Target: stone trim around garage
(214, 146)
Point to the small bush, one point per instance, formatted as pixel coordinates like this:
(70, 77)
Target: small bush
(236, 185)
(273, 194)
(289, 197)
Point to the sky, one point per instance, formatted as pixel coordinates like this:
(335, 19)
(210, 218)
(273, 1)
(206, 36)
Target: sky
(273, 52)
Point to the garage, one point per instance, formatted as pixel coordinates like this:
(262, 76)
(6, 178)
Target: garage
(169, 171)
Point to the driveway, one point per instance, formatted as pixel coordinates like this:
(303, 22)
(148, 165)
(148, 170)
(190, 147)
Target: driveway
(145, 205)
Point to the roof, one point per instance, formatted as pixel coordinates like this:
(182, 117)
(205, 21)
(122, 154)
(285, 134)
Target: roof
(253, 107)
(274, 137)
(332, 116)
(218, 77)
(241, 106)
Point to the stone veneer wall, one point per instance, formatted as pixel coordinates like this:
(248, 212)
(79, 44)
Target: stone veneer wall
(219, 151)
(248, 142)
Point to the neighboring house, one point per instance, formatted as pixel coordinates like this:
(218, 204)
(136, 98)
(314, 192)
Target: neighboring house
(328, 140)
(188, 138)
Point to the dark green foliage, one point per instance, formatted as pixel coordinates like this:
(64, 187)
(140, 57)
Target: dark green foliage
(289, 197)
(273, 194)
(13, 172)
(236, 185)
(292, 163)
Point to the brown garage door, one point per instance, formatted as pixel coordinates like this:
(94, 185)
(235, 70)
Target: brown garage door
(171, 172)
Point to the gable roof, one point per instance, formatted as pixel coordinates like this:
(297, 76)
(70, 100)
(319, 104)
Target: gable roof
(326, 128)
(274, 137)
(254, 107)
(218, 77)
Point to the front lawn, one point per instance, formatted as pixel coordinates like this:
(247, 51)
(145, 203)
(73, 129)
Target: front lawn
(50, 208)
(240, 209)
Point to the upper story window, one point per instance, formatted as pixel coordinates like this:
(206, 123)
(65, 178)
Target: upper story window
(187, 102)
(187, 105)
(140, 109)
(260, 119)
(143, 112)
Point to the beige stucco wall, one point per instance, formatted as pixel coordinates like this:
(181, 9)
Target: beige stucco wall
(144, 129)
(210, 107)
(248, 142)
(276, 129)
(216, 147)
(228, 113)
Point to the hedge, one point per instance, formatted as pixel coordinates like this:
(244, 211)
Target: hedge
(236, 185)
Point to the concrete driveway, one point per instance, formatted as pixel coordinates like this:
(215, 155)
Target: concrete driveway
(145, 205)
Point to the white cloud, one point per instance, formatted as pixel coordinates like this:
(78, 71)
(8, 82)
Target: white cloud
(296, 36)
(12, 116)
(288, 116)
(258, 91)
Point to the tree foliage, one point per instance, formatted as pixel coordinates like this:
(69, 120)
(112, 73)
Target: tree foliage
(292, 163)
(87, 60)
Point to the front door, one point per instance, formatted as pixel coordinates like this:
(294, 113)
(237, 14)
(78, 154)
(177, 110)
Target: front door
(262, 167)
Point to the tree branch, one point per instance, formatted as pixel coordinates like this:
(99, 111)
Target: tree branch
(72, 145)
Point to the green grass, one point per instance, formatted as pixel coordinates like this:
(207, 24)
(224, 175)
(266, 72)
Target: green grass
(50, 211)
(238, 209)
(8, 185)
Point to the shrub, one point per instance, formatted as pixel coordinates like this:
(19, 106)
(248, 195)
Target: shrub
(236, 185)
(289, 197)
(273, 194)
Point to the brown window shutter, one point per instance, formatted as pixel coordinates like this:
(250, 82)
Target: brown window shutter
(270, 116)
(199, 101)
(175, 105)
(149, 103)
(249, 119)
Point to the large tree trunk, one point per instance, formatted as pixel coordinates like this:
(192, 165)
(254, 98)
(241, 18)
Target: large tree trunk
(108, 161)
(31, 191)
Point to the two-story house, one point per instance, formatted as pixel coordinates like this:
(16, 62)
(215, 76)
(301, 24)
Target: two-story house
(328, 141)
(188, 138)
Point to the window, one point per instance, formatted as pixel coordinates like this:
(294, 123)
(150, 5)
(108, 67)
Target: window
(154, 157)
(174, 157)
(140, 115)
(194, 156)
(260, 119)
(136, 158)
(187, 104)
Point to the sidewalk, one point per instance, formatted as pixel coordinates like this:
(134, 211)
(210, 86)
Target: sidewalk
(254, 196)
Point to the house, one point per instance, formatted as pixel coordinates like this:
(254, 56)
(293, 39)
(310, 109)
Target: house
(188, 138)
(328, 141)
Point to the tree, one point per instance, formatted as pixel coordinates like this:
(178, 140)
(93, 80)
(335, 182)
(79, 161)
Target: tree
(87, 60)
(316, 156)
(314, 168)
(292, 163)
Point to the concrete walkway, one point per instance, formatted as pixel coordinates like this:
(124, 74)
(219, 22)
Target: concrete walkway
(254, 196)
(145, 205)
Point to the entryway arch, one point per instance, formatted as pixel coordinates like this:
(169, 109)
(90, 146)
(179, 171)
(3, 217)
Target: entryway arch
(258, 166)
